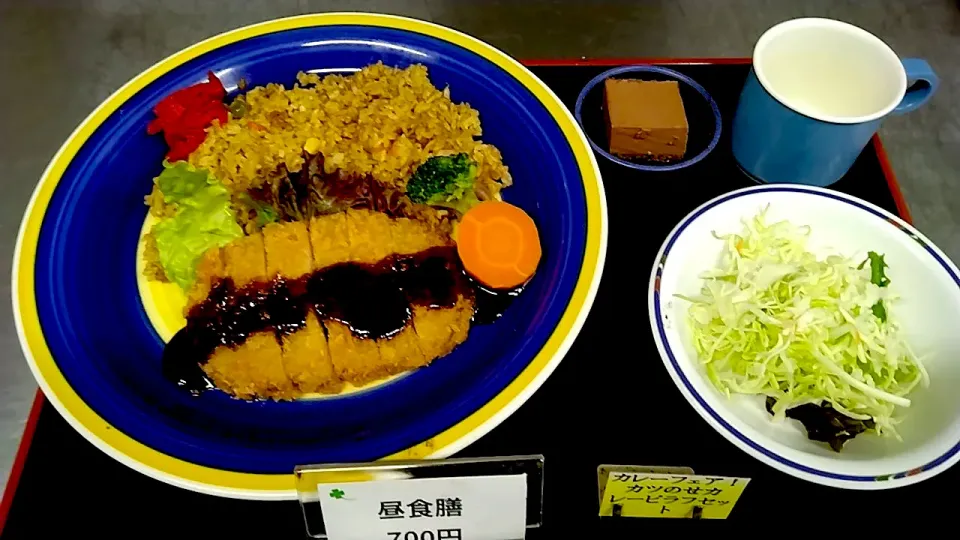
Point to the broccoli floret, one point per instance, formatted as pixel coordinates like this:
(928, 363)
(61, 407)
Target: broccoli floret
(445, 181)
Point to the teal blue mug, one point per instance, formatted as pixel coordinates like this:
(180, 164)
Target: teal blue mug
(816, 94)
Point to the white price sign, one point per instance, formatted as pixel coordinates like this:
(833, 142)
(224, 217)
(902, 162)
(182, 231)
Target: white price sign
(462, 508)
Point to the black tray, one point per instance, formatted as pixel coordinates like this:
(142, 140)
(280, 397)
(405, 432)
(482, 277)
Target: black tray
(596, 408)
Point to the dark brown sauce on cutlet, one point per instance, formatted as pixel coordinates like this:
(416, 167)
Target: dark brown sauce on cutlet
(374, 300)
(489, 304)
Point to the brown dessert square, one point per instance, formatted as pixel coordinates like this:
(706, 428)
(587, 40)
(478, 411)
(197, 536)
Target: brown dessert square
(645, 119)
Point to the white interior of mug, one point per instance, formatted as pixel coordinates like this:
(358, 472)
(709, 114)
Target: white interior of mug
(829, 70)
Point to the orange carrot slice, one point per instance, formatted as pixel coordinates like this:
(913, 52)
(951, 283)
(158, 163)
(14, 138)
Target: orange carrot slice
(498, 244)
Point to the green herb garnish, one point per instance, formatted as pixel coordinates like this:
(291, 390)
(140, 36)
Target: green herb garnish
(879, 278)
(877, 266)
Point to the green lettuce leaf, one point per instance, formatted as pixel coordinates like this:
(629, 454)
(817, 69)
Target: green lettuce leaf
(204, 219)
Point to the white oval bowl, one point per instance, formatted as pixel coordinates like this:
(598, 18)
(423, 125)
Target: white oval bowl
(928, 310)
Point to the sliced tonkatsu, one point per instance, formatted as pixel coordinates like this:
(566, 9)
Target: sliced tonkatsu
(253, 367)
(355, 359)
(306, 356)
(439, 330)
(303, 307)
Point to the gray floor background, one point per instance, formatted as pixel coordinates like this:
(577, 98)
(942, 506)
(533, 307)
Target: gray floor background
(59, 59)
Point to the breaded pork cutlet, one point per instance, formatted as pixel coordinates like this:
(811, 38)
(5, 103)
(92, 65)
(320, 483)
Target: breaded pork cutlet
(369, 240)
(306, 356)
(321, 355)
(255, 367)
(371, 237)
(364, 236)
(355, 360)
(439, 330)
(209, 271)
(328, 240)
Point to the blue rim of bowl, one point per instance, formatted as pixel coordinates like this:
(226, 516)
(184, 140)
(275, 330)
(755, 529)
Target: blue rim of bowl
(661, 335)
(718, 121)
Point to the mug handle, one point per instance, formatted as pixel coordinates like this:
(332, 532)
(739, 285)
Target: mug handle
(922, 82)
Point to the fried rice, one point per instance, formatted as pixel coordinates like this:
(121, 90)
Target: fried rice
(380, 121)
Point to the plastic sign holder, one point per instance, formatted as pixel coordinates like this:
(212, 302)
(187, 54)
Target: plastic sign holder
(310, 478)
(665, 492)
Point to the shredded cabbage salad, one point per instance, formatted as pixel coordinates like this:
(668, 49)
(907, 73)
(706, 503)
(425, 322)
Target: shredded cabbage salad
(772, 319)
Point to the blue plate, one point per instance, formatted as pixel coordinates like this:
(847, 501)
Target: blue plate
(97, 356)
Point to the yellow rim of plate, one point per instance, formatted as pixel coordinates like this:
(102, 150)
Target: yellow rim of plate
(190, 475)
